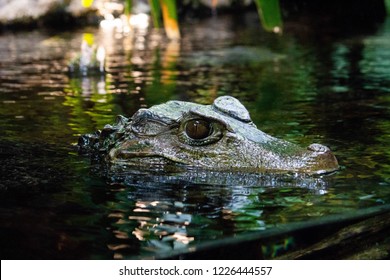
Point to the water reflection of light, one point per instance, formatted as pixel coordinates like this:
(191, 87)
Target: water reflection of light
(100, 57)
(90, 59)
(120, 234)
(91, 85)
(277, 29)
(110, 22)
(118, 247)
(140, 218)
(166, 231)
(179, 237)
(375, 61)
(140, 21)
(144, 204)
(124, 23)
(139, 234)
(85, 57)
(140, 210)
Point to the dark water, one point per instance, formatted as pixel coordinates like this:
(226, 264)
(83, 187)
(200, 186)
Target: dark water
(307, 85)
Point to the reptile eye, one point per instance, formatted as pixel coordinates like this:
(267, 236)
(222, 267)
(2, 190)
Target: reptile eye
(198, 129)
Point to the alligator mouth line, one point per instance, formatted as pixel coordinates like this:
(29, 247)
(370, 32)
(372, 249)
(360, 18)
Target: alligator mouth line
(125, 157)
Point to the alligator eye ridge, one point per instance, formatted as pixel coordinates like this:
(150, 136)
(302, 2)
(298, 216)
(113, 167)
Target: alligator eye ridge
(198, 129)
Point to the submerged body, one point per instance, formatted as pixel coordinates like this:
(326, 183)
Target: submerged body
(220, 136)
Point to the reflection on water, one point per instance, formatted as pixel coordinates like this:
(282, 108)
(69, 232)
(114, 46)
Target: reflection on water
(334, 93)
(90, 60)
(168, 212)
(376, 58)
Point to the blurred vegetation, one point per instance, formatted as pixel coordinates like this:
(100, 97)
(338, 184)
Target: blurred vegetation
(269, 13)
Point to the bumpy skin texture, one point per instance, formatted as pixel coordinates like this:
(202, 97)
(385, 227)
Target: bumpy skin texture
(220, 136)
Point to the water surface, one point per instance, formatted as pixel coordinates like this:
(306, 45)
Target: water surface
(55, 204)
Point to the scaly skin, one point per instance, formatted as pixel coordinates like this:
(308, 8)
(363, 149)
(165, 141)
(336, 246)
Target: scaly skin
(220, 136)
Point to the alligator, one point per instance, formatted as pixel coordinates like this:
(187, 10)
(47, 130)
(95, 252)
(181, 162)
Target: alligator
(220, 137)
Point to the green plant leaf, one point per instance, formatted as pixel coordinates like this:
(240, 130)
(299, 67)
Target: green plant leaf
(156, 12)
(128, 7)
(169, 13)
(270, 15)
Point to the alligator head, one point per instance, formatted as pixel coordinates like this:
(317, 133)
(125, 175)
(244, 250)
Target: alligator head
(220, 136)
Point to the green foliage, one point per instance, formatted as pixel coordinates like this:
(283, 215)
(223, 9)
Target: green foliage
(387, 3)
(270, 15)
(128, 6)
(171, 5)
(156, 12)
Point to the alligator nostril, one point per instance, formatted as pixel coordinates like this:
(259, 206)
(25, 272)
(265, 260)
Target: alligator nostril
(318, 148)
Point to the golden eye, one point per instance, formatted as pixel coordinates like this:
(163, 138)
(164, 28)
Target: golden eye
(198, 129)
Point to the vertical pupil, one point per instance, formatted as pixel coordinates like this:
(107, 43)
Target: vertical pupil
(197, 129)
